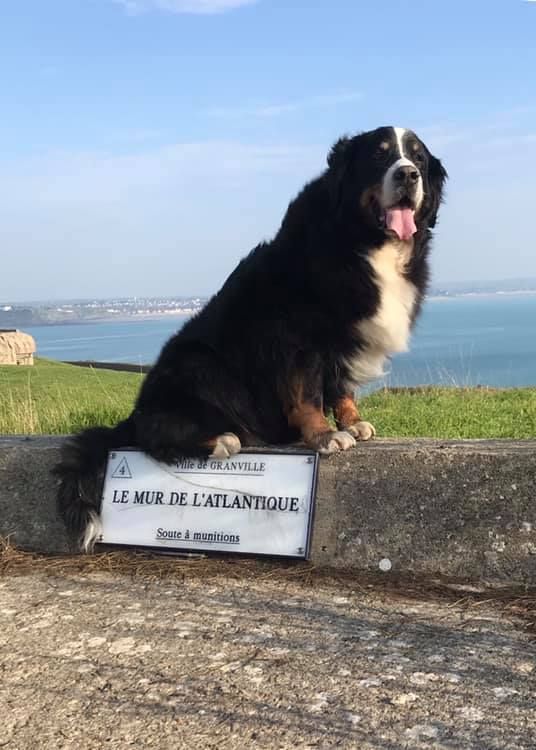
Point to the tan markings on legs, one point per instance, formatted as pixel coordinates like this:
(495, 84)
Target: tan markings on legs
(302, 414)
(345, 412)
(315, 429)
(347, 418)
(309, 419)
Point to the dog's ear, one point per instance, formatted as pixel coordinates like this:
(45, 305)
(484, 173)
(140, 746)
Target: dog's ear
(339, 152)
(338, 160)
(437, 175)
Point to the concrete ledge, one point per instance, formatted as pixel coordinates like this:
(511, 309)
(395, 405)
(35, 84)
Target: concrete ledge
(462, 509)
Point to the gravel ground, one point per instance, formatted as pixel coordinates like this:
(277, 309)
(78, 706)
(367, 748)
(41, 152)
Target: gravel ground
(105, 659)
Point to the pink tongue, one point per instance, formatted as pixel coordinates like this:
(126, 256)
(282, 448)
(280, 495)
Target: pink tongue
(401, 221)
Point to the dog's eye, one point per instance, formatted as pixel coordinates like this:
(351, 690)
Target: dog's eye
(382, 150)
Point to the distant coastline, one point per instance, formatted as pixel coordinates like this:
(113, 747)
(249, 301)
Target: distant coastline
(464, 340)
(465, 295)
(131, 309)
(97, 311)
(18, 323)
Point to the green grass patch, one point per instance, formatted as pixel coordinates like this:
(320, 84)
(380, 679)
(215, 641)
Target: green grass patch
(54, 398)
(452, 412)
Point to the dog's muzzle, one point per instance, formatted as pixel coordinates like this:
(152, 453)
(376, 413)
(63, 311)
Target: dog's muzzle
(402, 183)
(402, 195)
(406, 179)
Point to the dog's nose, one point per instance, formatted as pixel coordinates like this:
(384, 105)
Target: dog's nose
(408, 174)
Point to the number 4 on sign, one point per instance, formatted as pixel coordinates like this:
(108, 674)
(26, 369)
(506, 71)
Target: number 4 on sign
(122, 470)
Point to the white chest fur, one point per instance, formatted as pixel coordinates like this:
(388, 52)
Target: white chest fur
(388, 330)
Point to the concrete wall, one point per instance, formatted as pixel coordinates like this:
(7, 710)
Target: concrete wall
(464, 509)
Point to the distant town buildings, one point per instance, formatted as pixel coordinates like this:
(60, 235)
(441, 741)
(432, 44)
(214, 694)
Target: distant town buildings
(87, 311)
(68, 311)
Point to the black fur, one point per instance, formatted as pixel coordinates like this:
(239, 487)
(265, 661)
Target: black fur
(83, 459)
(286, 315)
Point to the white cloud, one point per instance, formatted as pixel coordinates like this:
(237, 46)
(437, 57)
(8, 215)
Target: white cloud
(200, 7)
(277, 109)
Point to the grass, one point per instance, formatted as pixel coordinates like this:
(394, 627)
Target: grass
(54, 398)
(453, 412)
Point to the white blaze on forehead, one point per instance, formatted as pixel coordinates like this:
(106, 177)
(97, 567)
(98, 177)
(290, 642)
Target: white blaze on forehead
(400, 133)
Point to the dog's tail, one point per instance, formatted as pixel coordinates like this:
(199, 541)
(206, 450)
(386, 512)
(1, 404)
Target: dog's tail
(81, 469)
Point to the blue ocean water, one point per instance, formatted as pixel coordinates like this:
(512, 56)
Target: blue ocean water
(458, 341)
(136, 341)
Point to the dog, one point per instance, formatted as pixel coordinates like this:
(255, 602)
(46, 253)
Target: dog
(298, 326)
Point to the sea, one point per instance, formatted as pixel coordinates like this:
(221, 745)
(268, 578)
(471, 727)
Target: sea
(458, 341)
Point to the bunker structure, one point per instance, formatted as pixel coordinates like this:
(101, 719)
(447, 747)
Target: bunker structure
(16, 347)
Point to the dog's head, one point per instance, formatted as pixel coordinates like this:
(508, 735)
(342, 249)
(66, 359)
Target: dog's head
(387, 179)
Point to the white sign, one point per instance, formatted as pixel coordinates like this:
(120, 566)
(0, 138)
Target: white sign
(254, 503)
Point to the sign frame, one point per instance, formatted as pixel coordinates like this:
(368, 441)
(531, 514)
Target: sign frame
(189, 551)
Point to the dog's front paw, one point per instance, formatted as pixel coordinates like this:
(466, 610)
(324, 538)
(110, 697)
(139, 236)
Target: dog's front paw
(332, 442)
(362, 430)
(226, 445)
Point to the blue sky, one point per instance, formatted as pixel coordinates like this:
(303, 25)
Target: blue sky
(147, 145)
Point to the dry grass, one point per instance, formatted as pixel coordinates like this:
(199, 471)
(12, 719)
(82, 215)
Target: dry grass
(512, 601)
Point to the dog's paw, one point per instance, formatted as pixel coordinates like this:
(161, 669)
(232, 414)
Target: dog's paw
(226, 445)
(362, 430)
(332, 442)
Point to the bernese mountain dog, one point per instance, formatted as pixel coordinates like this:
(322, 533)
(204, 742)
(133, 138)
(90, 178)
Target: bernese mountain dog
(299, 325)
